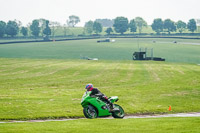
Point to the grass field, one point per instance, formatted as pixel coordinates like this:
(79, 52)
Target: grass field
(149, 125)
(48, 88)
(186, 50)
(80, 30)
(47, 80)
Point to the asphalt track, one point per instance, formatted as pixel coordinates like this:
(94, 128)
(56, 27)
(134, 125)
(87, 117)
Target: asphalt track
(193, 114)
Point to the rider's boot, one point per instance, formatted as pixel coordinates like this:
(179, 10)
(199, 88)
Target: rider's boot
(112, 108)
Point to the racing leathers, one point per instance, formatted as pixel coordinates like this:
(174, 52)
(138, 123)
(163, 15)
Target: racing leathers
(96, 93)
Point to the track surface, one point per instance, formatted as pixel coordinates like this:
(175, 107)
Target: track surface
(196, 114)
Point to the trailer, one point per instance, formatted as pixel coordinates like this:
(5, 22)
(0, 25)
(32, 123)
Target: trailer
(142, 55)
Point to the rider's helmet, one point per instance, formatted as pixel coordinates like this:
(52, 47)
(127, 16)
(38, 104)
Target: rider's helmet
(88, 86)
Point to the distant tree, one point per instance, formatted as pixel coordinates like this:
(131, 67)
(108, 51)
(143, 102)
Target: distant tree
(181, 26)
(12, 28)
(192, 26)
(105, 22)
(109, 30)
(65, 29)
(35, 28)
(24, 31)
(47, 30)
(121, 25)
(2, 28)
(140, 23)
(157, 25)
(19, 23)
(97, 27)
(55, 26)
(89, 27)
(169, 25)
(132, 26)
(42, 25)
(73, 20)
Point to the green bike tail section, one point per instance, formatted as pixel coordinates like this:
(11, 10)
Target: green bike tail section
(113, 99)
(96, 102)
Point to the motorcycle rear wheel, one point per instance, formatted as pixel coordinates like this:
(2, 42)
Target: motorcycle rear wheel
(118, 114)
(90, 112)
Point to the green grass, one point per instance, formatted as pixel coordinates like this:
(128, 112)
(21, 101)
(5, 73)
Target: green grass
(147, 125)
(79, 31)
(48, 88)
(47, 80)
(122, 49)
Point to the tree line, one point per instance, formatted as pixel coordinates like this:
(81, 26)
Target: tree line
(36, 27)
(119, 25)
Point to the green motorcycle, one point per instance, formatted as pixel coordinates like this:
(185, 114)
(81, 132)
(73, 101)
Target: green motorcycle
(94, 107)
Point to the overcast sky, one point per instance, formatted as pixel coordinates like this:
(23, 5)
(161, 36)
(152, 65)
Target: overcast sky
(59, 10)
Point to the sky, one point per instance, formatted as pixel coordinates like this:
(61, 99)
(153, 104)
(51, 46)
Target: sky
(59, 10)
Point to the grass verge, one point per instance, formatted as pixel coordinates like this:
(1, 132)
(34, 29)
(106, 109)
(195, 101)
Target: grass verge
(148, 125)
(41, 88)
(185, 50)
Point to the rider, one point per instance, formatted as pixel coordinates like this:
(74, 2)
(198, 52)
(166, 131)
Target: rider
(97, 93)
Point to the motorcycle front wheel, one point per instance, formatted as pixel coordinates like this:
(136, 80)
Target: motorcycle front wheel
(118, 114)
(90, 112)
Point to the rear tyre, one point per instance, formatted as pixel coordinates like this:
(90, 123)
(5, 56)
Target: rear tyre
(118, 114)
(90, 112)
